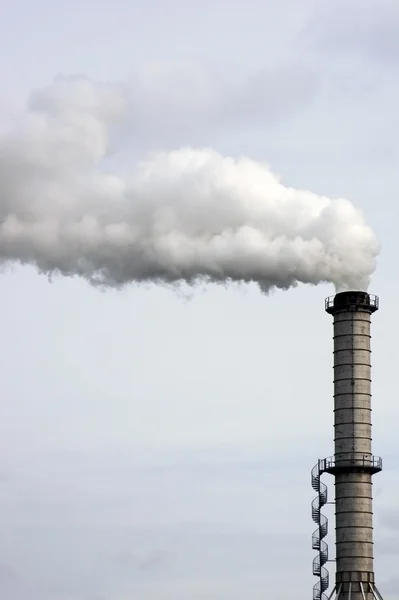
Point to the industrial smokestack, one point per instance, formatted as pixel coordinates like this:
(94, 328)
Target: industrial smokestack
(353, 463)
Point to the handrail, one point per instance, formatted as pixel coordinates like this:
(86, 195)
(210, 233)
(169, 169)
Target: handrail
(373, 301)
(356, 459)
(319, 534)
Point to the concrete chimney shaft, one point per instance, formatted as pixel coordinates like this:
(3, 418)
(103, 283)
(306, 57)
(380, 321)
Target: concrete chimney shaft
(353, 463)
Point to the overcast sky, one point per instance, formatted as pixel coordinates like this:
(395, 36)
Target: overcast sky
(158, 447)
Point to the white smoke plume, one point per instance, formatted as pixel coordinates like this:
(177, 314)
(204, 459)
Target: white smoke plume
(185, 215)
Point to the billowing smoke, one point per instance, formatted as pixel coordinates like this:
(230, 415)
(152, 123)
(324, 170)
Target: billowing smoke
(186, 215)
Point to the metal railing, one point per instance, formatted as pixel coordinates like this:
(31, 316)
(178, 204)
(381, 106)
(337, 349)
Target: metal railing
(369, 300)
(355, 460)
(318, 543)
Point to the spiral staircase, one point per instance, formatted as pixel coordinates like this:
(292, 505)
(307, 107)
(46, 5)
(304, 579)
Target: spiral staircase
(318, 543)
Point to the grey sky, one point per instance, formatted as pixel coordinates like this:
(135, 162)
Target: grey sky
(158, 447)
(361, 28)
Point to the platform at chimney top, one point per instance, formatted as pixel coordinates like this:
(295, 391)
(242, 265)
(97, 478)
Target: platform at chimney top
(347, 301)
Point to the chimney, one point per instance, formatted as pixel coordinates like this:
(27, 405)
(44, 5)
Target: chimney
(353, 463)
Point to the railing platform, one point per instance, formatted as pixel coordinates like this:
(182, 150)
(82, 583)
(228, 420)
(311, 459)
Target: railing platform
(353, 462)
(351, 301)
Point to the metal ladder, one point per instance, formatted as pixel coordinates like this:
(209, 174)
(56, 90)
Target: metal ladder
(319, 534)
